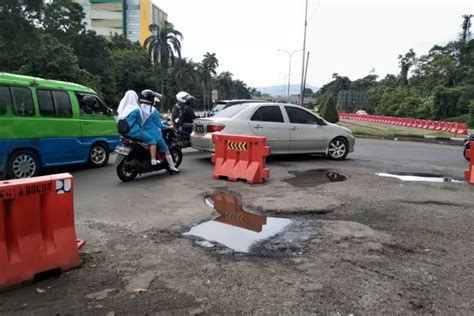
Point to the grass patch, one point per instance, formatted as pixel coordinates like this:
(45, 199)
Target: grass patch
(385, 130)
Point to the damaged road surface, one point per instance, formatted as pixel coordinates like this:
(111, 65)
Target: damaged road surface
(368, 245)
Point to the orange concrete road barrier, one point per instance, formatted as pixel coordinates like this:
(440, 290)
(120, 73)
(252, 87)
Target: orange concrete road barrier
(37, 231)
(240, 157)
(469, 173)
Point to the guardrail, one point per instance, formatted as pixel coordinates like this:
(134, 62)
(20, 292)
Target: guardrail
(450, 127)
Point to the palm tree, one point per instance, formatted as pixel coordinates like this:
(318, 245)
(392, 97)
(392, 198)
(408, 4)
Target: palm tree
(184, 73)
(224, 83)
(162, 45)
(466, 27)
(208, 70)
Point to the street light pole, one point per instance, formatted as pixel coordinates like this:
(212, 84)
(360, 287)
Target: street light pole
(289, 67)
(304, 53)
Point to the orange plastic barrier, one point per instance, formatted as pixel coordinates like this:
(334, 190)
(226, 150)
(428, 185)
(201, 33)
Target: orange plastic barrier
(240, 157)
(37, 231)
(469, 173)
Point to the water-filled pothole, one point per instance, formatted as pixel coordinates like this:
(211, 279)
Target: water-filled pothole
(236, 228)
(311, 178)
(419, 176)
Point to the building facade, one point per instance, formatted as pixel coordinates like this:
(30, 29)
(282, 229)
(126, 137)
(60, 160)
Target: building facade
(124, 17)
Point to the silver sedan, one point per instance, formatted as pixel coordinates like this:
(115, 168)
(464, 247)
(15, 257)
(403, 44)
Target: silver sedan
(289, 129)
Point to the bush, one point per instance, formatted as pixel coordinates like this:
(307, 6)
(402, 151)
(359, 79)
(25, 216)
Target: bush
(328, 110)
(471, 112)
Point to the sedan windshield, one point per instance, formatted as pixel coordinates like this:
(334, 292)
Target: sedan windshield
(231, 111)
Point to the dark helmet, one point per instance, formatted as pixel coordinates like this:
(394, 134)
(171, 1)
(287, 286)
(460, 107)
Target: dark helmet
(191, 101)
(147, 96)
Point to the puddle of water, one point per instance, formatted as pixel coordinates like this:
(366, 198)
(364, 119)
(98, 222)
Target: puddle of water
(422, 177)
(236, 228)
(311, 178)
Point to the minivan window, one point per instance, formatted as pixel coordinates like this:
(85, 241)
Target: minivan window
(299, 116)
(268, 114)
(22, 102)
(54, 103)
(5, 99)
(90, 104)
(62, 103)
(45, 102)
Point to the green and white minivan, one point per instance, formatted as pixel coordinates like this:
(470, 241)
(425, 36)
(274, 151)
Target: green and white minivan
(45, 123)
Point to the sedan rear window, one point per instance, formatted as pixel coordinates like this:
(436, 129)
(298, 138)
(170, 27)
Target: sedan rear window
(268, 114)
(231, 111)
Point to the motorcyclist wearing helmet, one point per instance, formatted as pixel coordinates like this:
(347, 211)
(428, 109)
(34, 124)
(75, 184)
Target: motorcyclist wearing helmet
(153, 125)
(178, 109)
(129, 110)
(189, 116)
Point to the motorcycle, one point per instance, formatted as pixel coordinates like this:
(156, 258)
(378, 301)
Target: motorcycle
(183, 136)
(467, 145)
(133, 156)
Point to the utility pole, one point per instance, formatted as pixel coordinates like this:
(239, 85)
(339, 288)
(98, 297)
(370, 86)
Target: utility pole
(289, 68)
(304, 53)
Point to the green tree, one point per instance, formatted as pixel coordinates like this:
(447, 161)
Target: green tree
(54, 60)
(63, 18)
(208, 71)
(17, 32)
(465, 34)
(328, 110)
(471, 112)
(406, 62)
(132, 70)
(224, 84)
(162, 45)
(183, 74)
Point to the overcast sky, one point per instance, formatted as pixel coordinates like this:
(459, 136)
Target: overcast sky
(343, 36)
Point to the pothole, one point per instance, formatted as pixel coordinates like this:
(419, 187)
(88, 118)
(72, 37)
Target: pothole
(419, 176)
(311, 178)
(236, 228)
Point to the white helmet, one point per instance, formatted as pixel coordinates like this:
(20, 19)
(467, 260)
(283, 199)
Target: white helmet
(182, 96)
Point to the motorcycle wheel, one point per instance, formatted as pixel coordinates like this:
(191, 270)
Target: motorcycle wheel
(465, 153)
(177, 155)
(125, 171)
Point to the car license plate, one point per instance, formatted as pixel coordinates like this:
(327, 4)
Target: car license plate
(122, 150)
(200, 129)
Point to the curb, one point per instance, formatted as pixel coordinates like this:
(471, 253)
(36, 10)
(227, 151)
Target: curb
(422, 138)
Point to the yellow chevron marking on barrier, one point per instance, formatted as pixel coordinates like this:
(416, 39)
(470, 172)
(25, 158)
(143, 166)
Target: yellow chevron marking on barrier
(238, 146)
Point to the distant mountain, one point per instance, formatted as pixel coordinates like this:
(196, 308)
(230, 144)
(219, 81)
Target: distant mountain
(282, 90)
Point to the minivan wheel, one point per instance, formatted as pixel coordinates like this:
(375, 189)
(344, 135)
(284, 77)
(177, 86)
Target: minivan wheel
(22, 164)
(98, 155)
(338, 149)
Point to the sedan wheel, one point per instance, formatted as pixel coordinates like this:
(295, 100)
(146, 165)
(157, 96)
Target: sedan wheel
(338, 149)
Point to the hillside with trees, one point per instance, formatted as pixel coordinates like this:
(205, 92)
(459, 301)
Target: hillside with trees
(438, 85)
(49, 40)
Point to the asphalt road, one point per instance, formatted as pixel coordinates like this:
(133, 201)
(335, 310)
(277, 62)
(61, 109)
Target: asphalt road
(367, 245)
(101, 197)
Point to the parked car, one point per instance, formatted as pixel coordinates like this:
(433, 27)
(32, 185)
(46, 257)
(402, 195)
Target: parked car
(48, 123)
(224, 104)
(288, 129)
(361, 112)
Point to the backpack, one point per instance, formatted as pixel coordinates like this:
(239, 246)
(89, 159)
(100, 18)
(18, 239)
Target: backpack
(123, 127)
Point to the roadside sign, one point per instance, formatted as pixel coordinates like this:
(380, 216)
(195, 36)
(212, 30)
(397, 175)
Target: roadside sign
(214, 95)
